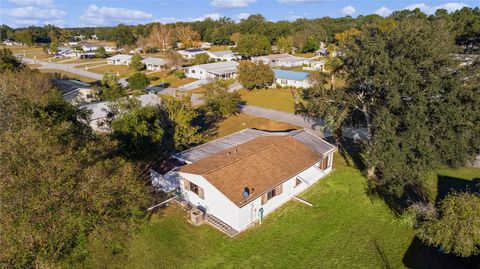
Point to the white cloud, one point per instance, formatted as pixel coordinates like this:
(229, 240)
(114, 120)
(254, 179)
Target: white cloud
(30, 15)
(242, 16)
(450, 7)
(294, 17)
(348, 10)
(231, 3)
(102, 16)
(167, 20)
(45, 3)
(213, 16)
(383, 11)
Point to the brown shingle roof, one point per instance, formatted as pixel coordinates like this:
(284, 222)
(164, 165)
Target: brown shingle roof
(259, 164)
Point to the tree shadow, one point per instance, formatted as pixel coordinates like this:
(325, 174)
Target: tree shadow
(420, 256)
(447, 185)
(351, 152)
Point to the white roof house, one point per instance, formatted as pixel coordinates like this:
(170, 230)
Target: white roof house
(119, 59)
(191, 53)
(315, 65)
(287, 78)
(74, 91)
(226, 55)
(153, 63)
(100, 111)
(239, 179)
(283, 60)
(213, 70)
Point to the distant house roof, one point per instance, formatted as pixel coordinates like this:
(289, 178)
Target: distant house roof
(220, 68)
(120, 57)
(223, 53)
(154, 61)
(260, 163)
(69, 85)
(100, 110)
(291, 75)
(282, 57)
(195, 50)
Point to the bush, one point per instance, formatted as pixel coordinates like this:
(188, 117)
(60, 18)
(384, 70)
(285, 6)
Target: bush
(138, 81)
(255, 75)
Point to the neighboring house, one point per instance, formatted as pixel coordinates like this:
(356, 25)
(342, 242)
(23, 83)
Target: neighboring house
(8, 42)
(205, 45)
(89, 47)
(119, 59)
(100, 111)
(79, 54)
(287, 78)
(226, 55)
(154, 64)
(62, 51)
(239, 179)
(281, 60)
(212, 70)
(110, 49)
(321, 52)
(75, 92)
(315, 65)
(191, 53)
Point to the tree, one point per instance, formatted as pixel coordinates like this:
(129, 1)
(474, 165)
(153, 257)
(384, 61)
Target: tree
(139, 130)
(404, 86)
(310, 46)
(235, 37)
(285, 44)
(253, 45)
(25, 36)
(175, 60)
(181, 115)
(53, 48)
(187, 36)
(455, 227)
(136, 63)
(161, 36)
(110, 88)
(100, 53)
(255, 75)
(220, 101)
(8, 62)
(202, 58)
(53, 187)
(138, 81)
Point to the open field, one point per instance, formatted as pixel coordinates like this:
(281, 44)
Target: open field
(67, 74)
(218, 48)
(29, 52)
(305, 55)
(122, 70)
(344, 229)
(278, 99)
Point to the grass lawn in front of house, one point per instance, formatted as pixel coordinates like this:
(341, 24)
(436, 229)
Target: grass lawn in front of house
(305, 55)
(218, 48)
(171, 79)
(271, 98)
(29, 52)
(89, 65)
(68, 74)
(122, 70)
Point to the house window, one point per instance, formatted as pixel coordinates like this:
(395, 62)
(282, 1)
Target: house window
(284, 81)
(190, 186)
(297, 182)
(272, 193)
(193, 71)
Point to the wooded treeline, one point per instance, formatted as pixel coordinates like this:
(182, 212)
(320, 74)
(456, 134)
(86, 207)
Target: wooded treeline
(466, 30)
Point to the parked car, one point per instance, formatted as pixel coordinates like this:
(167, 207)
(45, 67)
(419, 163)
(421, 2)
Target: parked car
(155, 88)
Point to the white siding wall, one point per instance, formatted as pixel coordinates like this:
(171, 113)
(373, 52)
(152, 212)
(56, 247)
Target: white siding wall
(214, 201)
(197, 72)
(293, 83)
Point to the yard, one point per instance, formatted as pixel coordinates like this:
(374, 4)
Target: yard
(171, 79)
(344, 229)
(122, 70)
(67, 74)
(29, 52)
(277, 99)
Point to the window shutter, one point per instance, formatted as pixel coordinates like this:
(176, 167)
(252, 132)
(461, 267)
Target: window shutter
(186, 184)
(200, 192)
(279, 189)
(264, 198)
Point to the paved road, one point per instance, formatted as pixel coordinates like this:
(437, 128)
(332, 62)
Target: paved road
(69, 68)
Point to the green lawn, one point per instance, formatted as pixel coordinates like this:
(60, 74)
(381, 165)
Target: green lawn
(67, 74)
(171, 79)
(278, 99)
(122, 70)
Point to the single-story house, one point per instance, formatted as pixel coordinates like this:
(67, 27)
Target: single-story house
(212, 70)
(75, 92)
(226, 55)
(110, 49)
(321, 52)
(8, 42)
(287, 78)
(89, 47)
(154, 64)
(79, 54)
(239, 179)
(100, 111)
(191, 53)
(204, 45)
(283, 60)
(315, 65)
(119, 59)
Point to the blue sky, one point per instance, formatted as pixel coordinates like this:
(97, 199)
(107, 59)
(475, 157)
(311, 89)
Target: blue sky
(18, 13)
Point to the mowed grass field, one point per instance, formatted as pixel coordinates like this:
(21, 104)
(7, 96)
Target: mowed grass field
(272, 98)
(67, 74)
(241, 121)
(122, 70)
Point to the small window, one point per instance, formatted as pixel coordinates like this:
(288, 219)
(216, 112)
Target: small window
(272, 193)
(297, 182)
(193, 71)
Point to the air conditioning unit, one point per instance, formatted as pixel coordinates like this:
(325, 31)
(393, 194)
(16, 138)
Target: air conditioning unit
(196, 216)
